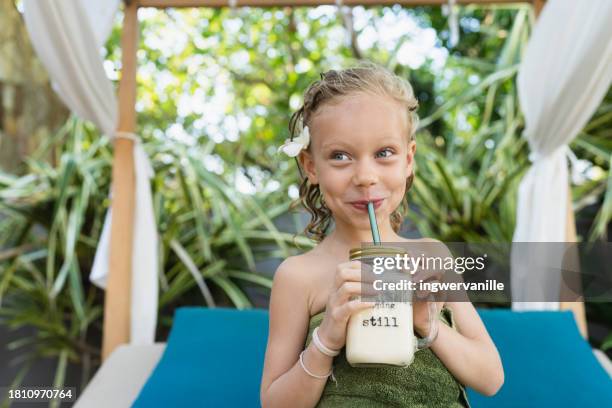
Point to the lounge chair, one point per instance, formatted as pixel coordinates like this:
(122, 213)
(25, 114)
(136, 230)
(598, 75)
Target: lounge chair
(214, 358)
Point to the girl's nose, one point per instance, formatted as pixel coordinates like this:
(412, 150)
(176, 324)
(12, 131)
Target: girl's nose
(365, 175)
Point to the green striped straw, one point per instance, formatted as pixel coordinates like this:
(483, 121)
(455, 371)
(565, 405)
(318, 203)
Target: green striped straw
(373, 224)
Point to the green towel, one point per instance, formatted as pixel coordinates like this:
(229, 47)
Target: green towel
(424, 383)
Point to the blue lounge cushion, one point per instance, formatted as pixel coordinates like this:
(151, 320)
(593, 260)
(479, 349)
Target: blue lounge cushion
(214, 358)
(546, 362)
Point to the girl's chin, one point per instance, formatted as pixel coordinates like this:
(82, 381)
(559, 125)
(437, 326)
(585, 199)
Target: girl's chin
(361, 220)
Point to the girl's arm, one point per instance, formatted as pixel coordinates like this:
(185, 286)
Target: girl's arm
(469, 354)
(284, 382)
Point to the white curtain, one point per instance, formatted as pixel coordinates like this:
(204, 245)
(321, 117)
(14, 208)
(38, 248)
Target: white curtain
(68, 36)
(564, 75)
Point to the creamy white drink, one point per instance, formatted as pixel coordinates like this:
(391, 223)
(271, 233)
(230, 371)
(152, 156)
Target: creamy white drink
(382, 335)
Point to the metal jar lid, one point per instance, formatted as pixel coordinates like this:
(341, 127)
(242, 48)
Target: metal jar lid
(375, 251)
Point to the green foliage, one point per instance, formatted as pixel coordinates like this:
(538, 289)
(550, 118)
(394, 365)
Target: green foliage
(470, 153)
(594, 146)
(50, 221)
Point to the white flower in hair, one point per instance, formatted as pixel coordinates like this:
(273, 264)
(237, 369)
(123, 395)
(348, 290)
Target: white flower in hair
(293, 147)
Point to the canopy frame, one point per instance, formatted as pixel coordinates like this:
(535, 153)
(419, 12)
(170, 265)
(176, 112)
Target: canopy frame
(311, 3)
(116, 329)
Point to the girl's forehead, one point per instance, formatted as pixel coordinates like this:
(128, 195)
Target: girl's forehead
(358, 116)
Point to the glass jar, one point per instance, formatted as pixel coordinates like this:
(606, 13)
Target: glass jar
(384, 334)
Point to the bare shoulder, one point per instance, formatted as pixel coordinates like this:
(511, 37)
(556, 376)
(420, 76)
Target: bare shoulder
(436, 247)
(295, 270)
(427, 240)
(289, 317)
(295, 280)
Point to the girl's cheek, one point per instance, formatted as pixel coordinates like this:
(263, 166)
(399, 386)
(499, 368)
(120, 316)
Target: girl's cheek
(399, 190)
(335, 177)
(399, 178)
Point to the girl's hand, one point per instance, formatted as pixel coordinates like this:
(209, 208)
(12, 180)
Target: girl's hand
(340, 307)
(420, 311)
(421, 300)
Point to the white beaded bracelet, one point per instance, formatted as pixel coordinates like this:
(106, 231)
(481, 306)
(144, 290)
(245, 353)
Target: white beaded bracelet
(331, 372)
(322, 347)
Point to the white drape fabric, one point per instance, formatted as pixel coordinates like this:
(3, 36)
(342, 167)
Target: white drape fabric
(67, 36)
(565, 73)
(64, 40)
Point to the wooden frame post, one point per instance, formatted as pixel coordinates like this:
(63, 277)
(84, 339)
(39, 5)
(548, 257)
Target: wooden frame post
(118, 291)
(576, 307)
(537, 6)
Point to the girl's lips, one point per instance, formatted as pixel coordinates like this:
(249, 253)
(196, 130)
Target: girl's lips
(364, 206)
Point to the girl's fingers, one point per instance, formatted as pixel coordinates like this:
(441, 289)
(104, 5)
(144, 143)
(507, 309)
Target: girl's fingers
(367, 274)
(355, 306)
(425, 275)
(348, 271)
(354, 271)
(424, 293)
(355, 289)
(347, 289)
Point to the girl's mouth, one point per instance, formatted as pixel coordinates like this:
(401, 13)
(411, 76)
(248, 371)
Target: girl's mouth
(363, 205)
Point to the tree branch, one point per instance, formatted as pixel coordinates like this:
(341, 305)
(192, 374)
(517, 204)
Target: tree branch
(348, 23)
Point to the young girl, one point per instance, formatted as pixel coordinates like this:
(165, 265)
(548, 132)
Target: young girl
(356, 145)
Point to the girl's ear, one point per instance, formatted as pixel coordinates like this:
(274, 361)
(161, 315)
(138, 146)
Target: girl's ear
(307, 163)
(410, 157)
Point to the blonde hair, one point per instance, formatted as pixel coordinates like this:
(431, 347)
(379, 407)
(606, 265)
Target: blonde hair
(333, 85)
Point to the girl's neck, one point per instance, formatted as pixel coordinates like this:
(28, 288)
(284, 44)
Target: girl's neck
(344, 237)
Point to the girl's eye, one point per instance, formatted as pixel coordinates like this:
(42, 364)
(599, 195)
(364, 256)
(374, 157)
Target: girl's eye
(338, 156)
(388, 152)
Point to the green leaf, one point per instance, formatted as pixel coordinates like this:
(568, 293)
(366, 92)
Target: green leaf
(75, 222)
(183, 255)
(251, 277)
(604, 215)
(60, 375)
(607, 343)
(233, 292)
